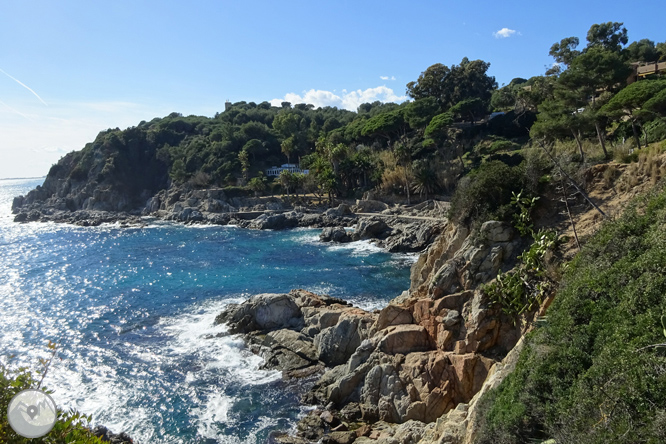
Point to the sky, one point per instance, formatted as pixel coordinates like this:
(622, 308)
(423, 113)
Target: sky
(70, 68)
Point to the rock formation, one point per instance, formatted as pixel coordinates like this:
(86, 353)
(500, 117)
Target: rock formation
(394, 375)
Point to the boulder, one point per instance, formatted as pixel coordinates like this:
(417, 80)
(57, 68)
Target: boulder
(336, 344)
(404, 339)
(287, 350)
(263, 312)
(369, 206)
(334, 234)
(496, 231)
(371, 229)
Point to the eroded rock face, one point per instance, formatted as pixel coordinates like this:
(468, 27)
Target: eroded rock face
(425, 353)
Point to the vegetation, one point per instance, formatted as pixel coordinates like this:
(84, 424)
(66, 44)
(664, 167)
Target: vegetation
(71, 427)
(596, 372)
(445, 138)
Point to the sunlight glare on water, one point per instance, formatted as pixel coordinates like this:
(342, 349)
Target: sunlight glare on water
(132, 310)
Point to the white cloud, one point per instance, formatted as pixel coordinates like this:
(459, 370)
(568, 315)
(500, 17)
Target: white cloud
(504, 33)
(348, 100)
(387, 77)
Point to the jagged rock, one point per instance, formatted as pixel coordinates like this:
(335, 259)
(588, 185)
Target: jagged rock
(276, 221)
(287, 350)
(336, 344)
(262, 312)
(311, 427)
(496, 231)
(370, 229)
(411, 237)
(335, 234)
(107, 436)
(404, 339)
(369, 206)
(410, 432)
(339, 438)
(393, 315)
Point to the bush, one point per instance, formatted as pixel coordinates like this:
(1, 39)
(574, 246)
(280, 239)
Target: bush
(593, 374)
(71, 427)
(656, 130)
(232, 192)
(486, 192)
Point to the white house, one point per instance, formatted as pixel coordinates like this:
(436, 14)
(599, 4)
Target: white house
(291, 167)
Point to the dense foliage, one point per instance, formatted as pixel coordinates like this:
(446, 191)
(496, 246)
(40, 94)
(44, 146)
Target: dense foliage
(596, 372)
(457, 121)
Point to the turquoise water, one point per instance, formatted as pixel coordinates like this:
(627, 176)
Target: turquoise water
(132, 310)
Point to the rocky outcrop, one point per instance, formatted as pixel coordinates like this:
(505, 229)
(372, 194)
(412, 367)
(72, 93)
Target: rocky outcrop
(459, 261)
(424, 357)
(106, 435)
(299, 329)
(334, 234)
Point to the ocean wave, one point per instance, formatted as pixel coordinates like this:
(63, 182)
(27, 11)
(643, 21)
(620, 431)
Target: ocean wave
(358, 248)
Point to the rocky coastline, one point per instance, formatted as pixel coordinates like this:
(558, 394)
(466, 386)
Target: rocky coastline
(408, 373)
(396, 229)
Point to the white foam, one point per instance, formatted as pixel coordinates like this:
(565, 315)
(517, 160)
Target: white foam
(358, 248)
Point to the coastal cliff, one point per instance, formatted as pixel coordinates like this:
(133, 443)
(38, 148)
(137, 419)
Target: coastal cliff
(397, 370)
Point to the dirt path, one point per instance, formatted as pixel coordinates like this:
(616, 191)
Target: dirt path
(435, 219)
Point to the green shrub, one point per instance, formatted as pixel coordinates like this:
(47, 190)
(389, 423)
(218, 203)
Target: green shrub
(656, 130)
(591, 375)
(237, 192)
(71, 427)
(485, 193)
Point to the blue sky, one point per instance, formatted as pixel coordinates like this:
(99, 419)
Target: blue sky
(73, 68)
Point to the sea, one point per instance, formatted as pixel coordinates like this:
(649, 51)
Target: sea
(132, 313)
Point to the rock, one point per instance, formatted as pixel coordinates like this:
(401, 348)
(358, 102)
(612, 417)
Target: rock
(409, 432)
(287, 350)
(393, 315)
(364, 430)
(339, 438)
(262, 312)
(411, 237)
(369, 206)
(370, 229)
(496, 231)
(311, 427)
(336, 344)
(404, 339)
(107, 436)
(335, 234)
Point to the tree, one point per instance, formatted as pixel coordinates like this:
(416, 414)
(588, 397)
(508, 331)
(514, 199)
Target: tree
(388, 125)
(597, 69)
(288, 147)
(244, 160)
(565, 51)
(258, 184)
(609, 35)
(471, 108)
(254, 147)
(419, 112)
(425, 178)
(506, 98)
(629, 102)
(642, 51)
(661, 49)
(452, 85)
(559, 117)
(178, 172)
